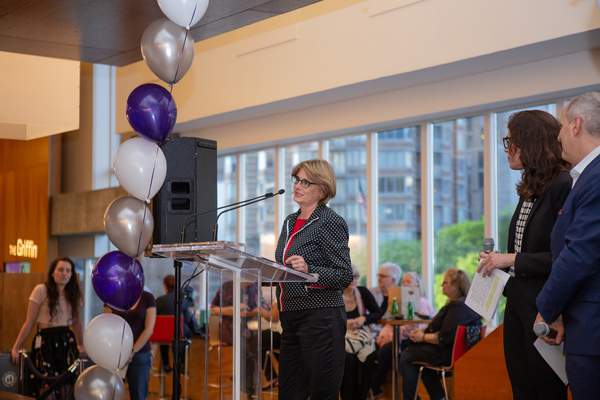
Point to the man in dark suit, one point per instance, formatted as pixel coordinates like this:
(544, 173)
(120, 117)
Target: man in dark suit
(570, 299)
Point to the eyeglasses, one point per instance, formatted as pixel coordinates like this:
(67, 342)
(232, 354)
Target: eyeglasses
(383, 276)
(356, 276)
(303, 182)
(506, 142)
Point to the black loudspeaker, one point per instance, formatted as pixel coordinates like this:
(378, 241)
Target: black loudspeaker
(190, 188)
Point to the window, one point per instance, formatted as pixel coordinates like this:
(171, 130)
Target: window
(291, 156)
(506, 178)
(458, 219)
(226, 194)
(348, 157)
(457, 174)
(506, 185)
(259, 218)
(399, 201)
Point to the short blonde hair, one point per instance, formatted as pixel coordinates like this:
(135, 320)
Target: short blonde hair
(461, 278)
(321, 173)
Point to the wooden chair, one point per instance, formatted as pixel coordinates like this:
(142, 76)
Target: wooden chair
(163, 333)
(459, 349)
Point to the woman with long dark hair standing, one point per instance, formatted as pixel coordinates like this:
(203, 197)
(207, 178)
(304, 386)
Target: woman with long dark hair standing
(531, 146)
(54, 306)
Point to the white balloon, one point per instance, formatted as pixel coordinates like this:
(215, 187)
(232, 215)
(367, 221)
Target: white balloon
(140, 167)
(185, 13)
(97, 383)
(108, 341)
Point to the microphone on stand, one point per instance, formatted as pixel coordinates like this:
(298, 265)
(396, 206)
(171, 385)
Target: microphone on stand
(488, 245)
(245, 203)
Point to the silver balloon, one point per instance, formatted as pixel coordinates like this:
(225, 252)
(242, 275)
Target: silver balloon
(168, 50)
(97, 383)
(128, 223)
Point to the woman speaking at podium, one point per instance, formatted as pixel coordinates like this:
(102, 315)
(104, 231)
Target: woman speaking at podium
(313, 240)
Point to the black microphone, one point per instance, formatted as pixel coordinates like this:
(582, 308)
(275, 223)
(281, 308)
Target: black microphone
(245, 203)
(541, 329)
(488, 245)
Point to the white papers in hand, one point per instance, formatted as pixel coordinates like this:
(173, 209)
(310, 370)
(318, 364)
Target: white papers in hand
(484, 294)
(555, 357)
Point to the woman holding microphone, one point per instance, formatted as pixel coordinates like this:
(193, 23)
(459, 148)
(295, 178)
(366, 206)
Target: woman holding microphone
(531, 146)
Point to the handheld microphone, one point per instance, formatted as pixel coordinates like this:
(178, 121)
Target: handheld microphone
(245, 203)
(488, 245)
(541, 329)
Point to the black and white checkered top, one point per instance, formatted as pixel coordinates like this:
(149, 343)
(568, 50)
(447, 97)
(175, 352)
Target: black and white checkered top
(323, 243)
(520, 227)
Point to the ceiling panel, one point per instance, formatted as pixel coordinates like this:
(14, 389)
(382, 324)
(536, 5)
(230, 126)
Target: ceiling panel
(110, 31)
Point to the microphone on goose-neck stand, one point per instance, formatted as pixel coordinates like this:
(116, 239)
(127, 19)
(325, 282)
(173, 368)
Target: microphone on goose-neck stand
(245, 203)
(239, 204)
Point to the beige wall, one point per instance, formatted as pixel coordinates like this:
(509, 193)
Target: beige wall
(40, 96)
(77, 145)
(339, 66)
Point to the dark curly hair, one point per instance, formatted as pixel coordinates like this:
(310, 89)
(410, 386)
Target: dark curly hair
(535, 133)
(72, 290)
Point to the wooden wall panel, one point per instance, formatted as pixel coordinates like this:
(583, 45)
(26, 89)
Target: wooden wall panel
(14, 301)
(24, 201)
(481, 373)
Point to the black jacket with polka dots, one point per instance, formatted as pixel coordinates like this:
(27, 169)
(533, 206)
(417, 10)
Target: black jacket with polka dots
(323, 243)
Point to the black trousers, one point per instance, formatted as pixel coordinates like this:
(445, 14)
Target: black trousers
(530, 376)
(312, 354)
(357, 377)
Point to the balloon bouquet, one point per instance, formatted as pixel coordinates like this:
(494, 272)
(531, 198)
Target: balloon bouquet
(140, 167)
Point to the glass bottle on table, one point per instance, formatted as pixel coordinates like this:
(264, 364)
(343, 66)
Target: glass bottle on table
(410, 310)
(394, 310)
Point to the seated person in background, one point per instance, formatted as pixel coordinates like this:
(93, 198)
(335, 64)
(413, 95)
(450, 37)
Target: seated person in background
(434, 344)
(361, 311)
(187, 303)
(222, 304)
(165, 305)
(271, 329)
(384, 339)
(389, 276)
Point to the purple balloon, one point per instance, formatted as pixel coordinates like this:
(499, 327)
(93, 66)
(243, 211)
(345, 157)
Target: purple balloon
(118, 280)
(151, 112)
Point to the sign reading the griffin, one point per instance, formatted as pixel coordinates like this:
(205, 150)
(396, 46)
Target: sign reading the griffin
(24, 248)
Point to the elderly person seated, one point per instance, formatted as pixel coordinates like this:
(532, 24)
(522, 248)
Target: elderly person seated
(389, 276)
(434, 344)
(384, 339)
(361, 311)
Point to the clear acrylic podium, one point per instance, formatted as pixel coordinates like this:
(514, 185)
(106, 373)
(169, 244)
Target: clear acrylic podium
(231, 263)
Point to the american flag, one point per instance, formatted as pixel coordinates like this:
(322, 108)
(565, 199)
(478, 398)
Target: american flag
(362, 199)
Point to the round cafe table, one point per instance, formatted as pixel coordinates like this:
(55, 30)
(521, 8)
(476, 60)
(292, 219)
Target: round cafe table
(397, 324)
